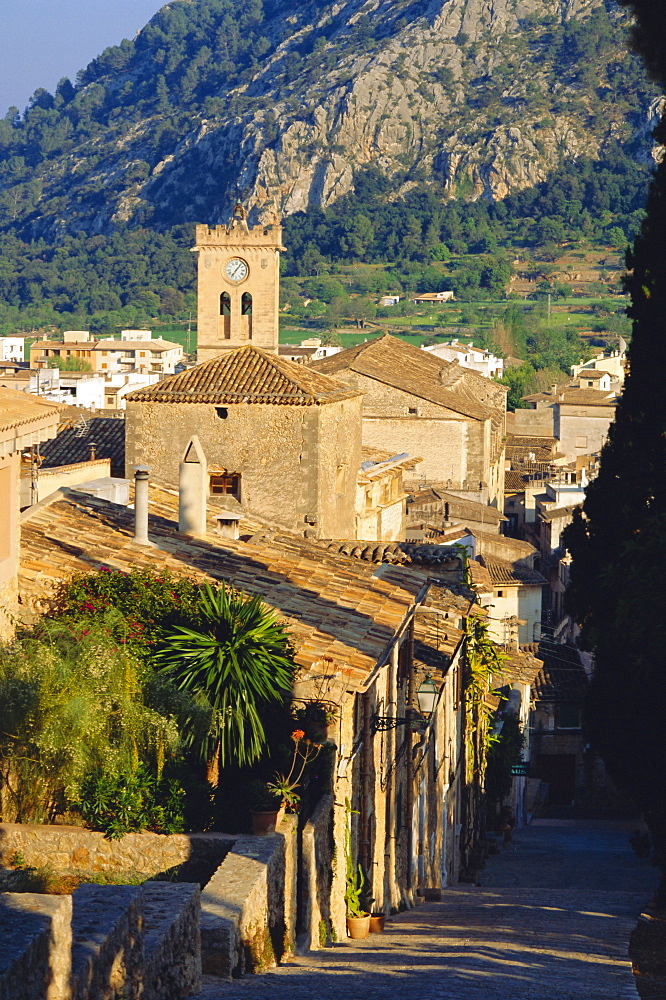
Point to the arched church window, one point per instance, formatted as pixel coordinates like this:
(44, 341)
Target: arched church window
(246, 304)
(225, 304)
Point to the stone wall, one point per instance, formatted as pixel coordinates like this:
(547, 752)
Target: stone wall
(287, 456)
(107, 942)
(73, 848)
(534, 423)
(103, 943)
(582, 430)
(248, 909)
(317, 863)
(35, 946)
(454, 447)
(158, 935)
(172, 940)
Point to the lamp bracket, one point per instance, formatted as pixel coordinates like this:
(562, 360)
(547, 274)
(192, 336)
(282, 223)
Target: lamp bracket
(382, 723)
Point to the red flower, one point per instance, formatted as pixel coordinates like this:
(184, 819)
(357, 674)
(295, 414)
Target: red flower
(297, 735)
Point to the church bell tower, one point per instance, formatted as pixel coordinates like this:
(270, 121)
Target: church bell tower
(238, 286)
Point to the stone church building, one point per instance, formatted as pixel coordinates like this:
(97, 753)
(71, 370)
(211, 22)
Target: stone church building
(414, 402)
(279, 439)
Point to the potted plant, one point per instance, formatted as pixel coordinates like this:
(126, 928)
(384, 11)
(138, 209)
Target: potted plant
(285, 785)
(316, 717)
(377, 923)
(270, 799)
(358, 918)
(266, 807)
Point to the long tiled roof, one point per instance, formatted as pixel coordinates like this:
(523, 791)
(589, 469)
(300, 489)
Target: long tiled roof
(419, 373)
(518, 447)
(245, 375)
(460, 508)
(335, 606)
(17, 409)
(573, 396)
(78, 432)
(136, 345)
(511, 574)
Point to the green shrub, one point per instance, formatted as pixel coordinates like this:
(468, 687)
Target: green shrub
(71, 702)
(118, 803)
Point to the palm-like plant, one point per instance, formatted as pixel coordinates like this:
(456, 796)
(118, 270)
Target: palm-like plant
(238, 660)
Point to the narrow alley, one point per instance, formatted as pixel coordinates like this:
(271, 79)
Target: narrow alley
(551, 919)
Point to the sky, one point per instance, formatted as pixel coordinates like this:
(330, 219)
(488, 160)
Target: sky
(44, 40)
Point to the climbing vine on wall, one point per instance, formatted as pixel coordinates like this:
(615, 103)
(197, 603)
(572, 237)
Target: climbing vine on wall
(484, 668)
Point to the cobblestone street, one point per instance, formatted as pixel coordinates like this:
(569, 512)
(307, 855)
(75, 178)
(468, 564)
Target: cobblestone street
(550, 921)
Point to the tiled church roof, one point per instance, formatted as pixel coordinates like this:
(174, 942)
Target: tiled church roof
(419, 373)
(245, 375)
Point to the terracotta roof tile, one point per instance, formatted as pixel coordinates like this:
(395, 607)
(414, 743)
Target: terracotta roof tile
(503, 572)
(332, 604)
(19, 408)
(433, 498)
(394, 362)
(245, 375)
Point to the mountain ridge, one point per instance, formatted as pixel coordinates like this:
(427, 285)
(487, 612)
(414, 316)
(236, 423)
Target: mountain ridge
(287, 102)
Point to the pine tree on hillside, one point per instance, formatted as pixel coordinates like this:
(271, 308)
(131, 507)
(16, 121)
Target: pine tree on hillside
(618, 544)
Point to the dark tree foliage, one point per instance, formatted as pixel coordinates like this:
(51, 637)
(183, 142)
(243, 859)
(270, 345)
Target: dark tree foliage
(582, 198)
(618, 585)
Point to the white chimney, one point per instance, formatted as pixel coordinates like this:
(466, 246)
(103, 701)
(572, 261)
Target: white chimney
(141, 505)
(192, 490)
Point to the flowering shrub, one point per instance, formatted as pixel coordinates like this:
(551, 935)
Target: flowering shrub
(149, 603)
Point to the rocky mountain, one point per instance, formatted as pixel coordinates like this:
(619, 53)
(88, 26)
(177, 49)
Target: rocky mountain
(285, 101)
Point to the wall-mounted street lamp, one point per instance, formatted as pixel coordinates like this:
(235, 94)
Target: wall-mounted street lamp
(416, 718)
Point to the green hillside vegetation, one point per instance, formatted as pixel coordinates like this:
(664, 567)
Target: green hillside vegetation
(96, 152)
(101, 181)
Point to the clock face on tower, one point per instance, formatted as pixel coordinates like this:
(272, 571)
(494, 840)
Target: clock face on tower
(236, 270)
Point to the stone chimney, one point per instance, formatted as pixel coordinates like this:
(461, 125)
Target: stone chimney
(141, 505)
(92, 451)
(192, 490)
(227, 525)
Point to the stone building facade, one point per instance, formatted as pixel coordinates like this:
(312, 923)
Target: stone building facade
(454, 419)
(238, 286)
(280, 440)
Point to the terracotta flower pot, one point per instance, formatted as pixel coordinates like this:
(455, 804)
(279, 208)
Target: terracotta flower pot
(377, 923)
(358, 927)
(265, 821)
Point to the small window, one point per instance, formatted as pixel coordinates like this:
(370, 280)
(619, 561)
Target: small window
(109, 400)
(368, 498)
(222, 412)
(413, 411)
(222, 484)
(225, 304)
(340, 477)
(246, 304)
(500, 593)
